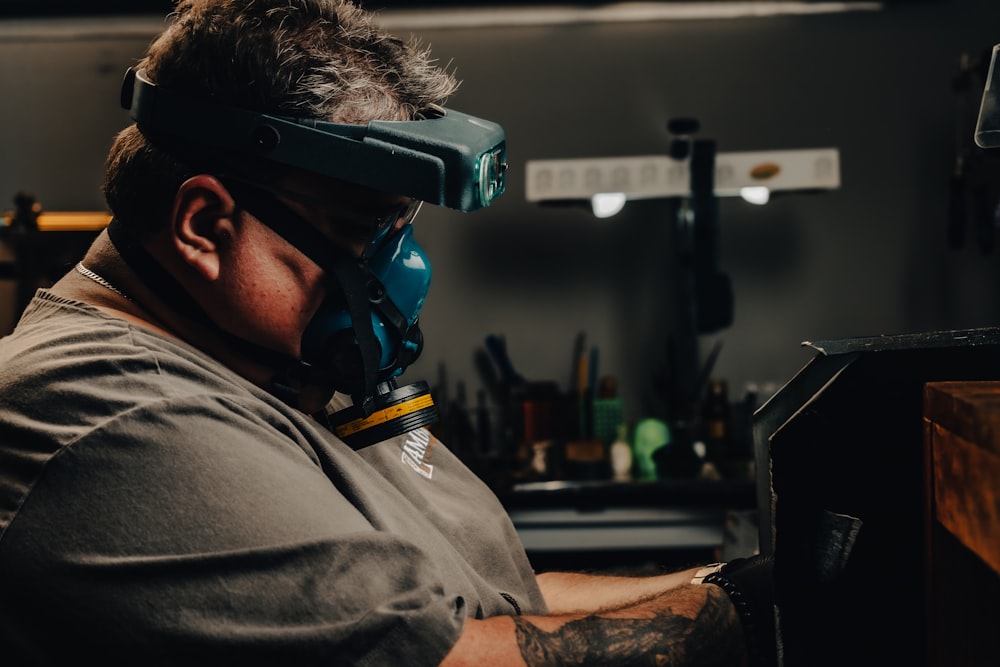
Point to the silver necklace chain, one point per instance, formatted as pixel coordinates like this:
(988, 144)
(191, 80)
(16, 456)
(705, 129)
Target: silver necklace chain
(84, 271)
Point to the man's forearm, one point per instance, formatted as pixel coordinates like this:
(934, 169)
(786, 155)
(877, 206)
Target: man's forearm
(687, 625)
(573, 593)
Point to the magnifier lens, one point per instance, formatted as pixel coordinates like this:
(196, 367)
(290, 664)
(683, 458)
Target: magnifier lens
(492, 170)
(391, 222)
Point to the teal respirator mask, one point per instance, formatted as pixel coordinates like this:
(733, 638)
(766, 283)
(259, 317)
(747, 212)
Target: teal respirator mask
(366, 332)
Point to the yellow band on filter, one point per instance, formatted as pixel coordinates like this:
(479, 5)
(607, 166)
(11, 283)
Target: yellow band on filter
(385, 415)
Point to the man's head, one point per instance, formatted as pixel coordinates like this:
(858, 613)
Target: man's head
(285, 251)
(324, 60)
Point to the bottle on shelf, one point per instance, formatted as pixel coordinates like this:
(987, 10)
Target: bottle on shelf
(620, 453)
(716, 415)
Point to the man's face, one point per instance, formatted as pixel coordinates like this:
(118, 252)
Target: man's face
(351, 222)
(355, 218)
(284, 284)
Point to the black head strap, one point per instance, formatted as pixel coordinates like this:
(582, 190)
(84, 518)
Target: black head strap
(359, 286)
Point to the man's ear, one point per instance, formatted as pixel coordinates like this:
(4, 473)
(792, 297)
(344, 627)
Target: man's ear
(202, 224)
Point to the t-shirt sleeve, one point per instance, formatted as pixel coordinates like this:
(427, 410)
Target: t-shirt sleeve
(214, 538)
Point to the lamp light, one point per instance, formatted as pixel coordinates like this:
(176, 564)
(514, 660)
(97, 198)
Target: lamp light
(607, 204)
(756, 194)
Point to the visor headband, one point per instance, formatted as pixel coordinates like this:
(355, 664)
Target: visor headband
(450, 159)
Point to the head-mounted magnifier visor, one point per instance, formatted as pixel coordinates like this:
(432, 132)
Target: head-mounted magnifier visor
(988, 124)
(381, 227)
(448, 158)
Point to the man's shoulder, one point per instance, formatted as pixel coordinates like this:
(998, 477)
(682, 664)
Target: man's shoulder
(69, 346)
(68, 375)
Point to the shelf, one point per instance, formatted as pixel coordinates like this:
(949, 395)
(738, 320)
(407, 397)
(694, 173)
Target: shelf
(720, 495)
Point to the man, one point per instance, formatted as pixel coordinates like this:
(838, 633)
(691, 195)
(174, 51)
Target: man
(172, 490)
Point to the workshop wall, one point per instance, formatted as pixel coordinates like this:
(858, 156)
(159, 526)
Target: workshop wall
(872, 257)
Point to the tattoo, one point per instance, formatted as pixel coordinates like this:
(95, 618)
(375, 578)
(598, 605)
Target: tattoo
(665, 639)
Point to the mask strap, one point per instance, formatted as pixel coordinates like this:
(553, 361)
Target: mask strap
(151, 273)
(361, 289)
(287, 223)
(356, 283)
(411, 338)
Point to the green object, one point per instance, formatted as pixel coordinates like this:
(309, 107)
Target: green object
(650, 435)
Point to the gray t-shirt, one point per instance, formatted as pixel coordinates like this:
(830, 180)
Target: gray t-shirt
(157, 508)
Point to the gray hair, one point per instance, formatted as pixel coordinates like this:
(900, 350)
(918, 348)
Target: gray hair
(319, 59)
(322, 59)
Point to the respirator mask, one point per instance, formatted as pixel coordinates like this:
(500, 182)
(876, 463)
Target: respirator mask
(365, 333)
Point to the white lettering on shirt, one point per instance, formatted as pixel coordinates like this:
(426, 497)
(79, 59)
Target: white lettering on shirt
(416, 452)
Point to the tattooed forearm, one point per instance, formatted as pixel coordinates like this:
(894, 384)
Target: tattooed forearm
(663, 638)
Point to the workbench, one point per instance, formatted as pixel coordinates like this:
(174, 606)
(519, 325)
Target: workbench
(962, 457)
